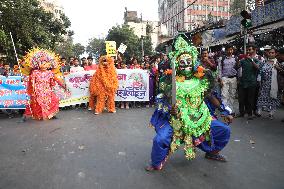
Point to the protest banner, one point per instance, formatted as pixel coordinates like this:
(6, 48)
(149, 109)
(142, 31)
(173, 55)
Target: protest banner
(78, 85)
(12, 93)
(122, 48)
(133, 85)
(111, 48)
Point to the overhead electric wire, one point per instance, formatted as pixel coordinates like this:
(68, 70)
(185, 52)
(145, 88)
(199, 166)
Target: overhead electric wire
(179, 12)
(174, 15)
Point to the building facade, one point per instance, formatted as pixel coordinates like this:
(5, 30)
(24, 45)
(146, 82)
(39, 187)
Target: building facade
(139, 26)
(52, 6)
(186, 15)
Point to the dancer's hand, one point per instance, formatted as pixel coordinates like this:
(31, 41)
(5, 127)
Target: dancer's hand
(174, 110)
(221, 83)
(65, 87)
(228, 119)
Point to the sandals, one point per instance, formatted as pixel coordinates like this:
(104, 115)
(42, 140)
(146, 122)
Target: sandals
(150, 168)
(217, 157)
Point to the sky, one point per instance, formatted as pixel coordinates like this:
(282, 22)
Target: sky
(93, 18)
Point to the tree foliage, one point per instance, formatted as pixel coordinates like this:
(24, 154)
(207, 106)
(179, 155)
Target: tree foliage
(65, 48)
(68, 49)
(30, 26)
(96, 47)
(124, 34)
(78, 49)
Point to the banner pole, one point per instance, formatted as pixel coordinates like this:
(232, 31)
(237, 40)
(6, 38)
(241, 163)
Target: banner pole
(20, 70)
(14, 47)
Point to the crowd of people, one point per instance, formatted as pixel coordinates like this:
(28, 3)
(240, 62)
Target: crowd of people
(249, 84)
(152, 65)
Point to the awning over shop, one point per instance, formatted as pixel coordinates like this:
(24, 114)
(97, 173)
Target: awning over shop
(221, 41)
(268, 28)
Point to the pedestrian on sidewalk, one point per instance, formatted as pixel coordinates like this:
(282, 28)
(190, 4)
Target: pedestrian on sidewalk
(268, 98)
(280, 75)
(261, 61)
(207, 62)
(90, 65)
(228, 78)
(76, 66)
(247, 82)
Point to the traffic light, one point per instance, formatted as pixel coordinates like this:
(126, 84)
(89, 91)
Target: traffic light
(246, 22)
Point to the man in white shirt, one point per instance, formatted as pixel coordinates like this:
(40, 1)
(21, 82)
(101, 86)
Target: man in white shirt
(76, 67)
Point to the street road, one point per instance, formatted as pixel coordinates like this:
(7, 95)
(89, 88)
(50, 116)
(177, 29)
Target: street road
(83, 151)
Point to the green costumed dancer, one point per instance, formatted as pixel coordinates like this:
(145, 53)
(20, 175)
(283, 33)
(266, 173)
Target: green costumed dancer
(189, 121)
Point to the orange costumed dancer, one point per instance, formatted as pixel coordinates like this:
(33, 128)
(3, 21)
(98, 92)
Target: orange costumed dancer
(43, 69)
(103, 86)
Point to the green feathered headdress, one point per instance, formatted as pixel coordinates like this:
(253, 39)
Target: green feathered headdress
(181, 47)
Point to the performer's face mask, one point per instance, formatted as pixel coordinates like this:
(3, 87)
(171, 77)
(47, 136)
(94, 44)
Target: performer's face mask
(105, 62)
(185, 65)
(45, 65)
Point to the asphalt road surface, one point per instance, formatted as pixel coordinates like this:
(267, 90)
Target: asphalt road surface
(83, 151)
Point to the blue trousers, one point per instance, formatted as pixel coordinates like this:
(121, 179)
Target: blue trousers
(220, 135)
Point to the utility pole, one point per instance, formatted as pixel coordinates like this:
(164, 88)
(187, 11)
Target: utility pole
(245, 33)
(142, 42)
(245, 40)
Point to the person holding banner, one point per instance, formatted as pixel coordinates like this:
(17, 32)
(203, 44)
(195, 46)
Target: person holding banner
(90, 65)
(76, 67)
(190, 120)
(43, 75)
(103, 86)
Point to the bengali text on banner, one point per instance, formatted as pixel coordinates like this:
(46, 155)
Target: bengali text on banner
(133, 86)
(12, 93)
